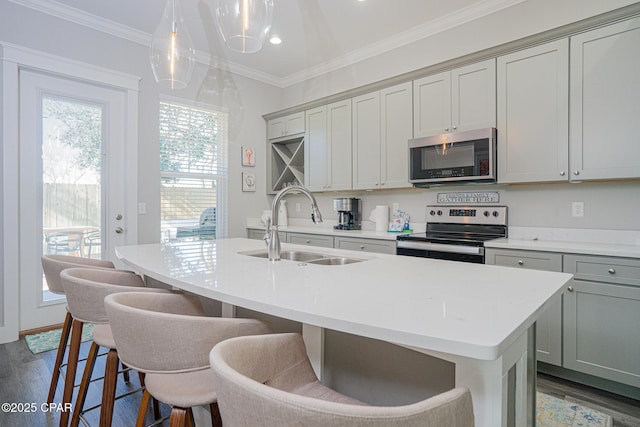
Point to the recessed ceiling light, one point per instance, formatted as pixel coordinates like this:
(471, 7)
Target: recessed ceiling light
(275, 40)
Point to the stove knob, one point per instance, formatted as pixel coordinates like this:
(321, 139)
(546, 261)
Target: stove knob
(432, 212)
(496, 213)
(487, 213)
(439, 213)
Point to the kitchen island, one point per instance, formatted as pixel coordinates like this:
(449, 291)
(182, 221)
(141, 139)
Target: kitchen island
(479, 317)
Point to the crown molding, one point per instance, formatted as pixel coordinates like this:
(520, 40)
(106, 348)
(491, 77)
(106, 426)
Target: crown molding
(429, 28)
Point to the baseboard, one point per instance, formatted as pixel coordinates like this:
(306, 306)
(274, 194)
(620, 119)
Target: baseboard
(38, 330)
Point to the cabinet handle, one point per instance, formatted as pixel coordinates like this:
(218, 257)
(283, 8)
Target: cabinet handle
(562, 173)
(576, 172)
(612, 271)
(570, 288)
(520, 262)
(361, 246)
(376, 184)
(308, 241)
(455, 127)
(446, 129)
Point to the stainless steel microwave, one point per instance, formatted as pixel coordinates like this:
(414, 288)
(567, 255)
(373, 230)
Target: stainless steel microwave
(468, 156)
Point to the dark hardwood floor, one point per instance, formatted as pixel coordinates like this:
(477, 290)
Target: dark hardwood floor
(24, 379)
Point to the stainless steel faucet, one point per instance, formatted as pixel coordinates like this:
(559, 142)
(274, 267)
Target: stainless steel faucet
(271, 237)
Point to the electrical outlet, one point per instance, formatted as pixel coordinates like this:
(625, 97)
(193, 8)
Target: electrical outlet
(395, 207)
(142, 208)
(577, 209)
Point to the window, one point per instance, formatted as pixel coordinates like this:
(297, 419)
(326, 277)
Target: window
(193, 171)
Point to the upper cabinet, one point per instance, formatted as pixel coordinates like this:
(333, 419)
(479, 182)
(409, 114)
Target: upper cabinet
(328, 147)
(460, 99)
(605, 102)
(292, 124)
(533, 114)
(382, 127)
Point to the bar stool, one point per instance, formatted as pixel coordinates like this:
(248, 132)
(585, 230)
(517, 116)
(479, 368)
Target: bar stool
(85, 290)
(52, 266)
(162, 336)
(268, 381)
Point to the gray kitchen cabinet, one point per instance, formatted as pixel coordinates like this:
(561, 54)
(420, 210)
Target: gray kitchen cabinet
(310, 239)
(549, 326)
(258, 234)
(602, 317)
(456, 100)
(604, 95)
(382, 127)
(533, 114)
(286, 126)
(328, 147)
(365, 245)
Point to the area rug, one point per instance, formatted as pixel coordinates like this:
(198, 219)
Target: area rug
(554, 412)
(49, 340)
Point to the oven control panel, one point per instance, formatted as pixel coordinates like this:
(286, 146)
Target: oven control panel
(491, 215)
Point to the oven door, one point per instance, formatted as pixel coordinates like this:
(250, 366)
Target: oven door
(423, 249)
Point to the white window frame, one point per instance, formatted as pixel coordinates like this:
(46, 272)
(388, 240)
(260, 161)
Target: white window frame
(221, 178)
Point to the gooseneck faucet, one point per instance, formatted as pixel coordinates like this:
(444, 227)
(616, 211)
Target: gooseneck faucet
(271, 237)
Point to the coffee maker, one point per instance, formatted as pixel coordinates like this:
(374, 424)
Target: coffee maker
(349, 213)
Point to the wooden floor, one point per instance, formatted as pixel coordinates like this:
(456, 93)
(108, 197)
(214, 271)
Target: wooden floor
(24, 379)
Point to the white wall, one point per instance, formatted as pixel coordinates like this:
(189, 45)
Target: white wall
(607, 205)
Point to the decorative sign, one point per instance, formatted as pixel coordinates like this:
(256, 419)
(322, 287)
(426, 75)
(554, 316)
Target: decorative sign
(248, 156)
(248, 181)
(470, 197)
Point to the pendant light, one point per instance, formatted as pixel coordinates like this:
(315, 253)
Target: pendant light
(172, 51)
(244, 24)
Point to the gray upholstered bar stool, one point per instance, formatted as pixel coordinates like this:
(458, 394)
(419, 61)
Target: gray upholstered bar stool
(52, 266)
(165, 337)
(85, 290)
(268, 381)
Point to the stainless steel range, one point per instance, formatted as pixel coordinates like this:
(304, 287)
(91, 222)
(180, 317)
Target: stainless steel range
(455, 233)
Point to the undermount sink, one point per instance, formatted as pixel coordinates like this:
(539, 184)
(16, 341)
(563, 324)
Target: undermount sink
(306, 257)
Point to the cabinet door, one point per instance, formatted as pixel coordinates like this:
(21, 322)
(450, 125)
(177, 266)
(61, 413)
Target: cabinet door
(316, 153)
(432, 105)
(294, 123)
(601, 331)
(366, 141)
(310, 239)
(366, 245)
(276, 128)
(533, 114)
(605, 89)
(473, 96)
(549, 326)
(339, 143)
(396, 128)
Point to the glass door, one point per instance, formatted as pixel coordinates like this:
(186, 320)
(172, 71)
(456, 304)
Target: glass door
(70, 155)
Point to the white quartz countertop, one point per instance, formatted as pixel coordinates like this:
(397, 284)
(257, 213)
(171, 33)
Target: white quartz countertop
(458, 308)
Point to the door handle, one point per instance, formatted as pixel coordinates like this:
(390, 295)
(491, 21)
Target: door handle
(119, 230)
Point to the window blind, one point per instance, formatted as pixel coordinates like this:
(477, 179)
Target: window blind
(193, 171)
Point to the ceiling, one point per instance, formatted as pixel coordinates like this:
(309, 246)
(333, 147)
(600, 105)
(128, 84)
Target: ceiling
(317, 35)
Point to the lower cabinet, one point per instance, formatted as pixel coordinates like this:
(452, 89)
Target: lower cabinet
(602, 317)
(596, 331)
(310, 239)
(258, 234)
(365, 245)
(549, 326)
